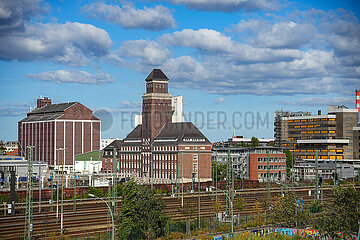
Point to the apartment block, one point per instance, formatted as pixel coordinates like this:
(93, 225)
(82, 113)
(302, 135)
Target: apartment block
(251, 163)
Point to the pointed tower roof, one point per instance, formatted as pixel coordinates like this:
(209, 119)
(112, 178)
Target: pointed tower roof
(157, 74)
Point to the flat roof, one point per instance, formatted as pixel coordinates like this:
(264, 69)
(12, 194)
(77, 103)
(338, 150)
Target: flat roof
(310, 117)
(341, 141)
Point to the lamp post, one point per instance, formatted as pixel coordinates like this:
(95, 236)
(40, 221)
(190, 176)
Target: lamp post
(62, 192)
(112, 217)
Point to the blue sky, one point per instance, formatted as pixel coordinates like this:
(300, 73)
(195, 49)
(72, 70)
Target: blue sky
(234, 61)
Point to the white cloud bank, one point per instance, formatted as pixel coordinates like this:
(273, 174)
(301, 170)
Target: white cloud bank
(154, 19)
(72, 76)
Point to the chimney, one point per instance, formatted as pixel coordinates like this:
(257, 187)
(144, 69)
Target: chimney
(43, 101)
(319, 112)
(357, 99)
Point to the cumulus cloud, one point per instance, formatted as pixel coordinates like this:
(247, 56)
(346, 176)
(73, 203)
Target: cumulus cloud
(23, 39)
(127, 16)
(303, 53)
(15, 13)
(211, 41)
(72, 76)
(203, 39)
(150, 52)
(68, 43)
(229, 5)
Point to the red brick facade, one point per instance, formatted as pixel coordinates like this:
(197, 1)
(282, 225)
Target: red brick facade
(258, 166)
(159, 150)
(75, 129)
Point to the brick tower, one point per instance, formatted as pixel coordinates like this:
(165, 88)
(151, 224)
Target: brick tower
(156, 109)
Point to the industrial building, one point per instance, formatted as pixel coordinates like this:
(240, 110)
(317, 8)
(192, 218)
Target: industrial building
(163, 148)
(251, 163)
(58, 132)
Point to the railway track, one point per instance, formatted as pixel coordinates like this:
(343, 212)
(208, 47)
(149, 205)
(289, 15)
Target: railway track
(91, 215)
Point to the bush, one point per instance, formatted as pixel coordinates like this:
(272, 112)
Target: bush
(315, 207)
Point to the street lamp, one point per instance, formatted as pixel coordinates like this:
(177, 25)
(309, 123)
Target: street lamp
(112, 217)
(62, 192)
(232, 209)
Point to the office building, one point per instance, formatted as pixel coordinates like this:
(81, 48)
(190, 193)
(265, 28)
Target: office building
(331, 134)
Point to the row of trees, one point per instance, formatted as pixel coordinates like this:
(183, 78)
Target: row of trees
(341, 215)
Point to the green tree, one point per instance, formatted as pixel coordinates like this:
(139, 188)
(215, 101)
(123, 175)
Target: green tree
(255, 142)
(286, 210)
(141, 215)
(239, 204)
(219, 170)
(344, 212)
(95, 191)
(290, 161)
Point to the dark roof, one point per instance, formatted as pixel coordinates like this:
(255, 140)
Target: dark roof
(47, 112)
(177, 133)
(170, 134)
(135, 133)
(52, 108)
(115, 143)
(39, 117)
(157, 74)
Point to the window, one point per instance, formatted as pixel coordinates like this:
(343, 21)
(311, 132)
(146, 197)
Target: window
(194, 167)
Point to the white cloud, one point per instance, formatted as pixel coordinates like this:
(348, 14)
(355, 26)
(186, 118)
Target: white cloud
(202, 39)
(68, 43)
(130, 105)
(72, 76)
(150, 52)
(212, 42)
(220, 100)
(15, 109)
(229, 5)
(127, 16)
(301, 53)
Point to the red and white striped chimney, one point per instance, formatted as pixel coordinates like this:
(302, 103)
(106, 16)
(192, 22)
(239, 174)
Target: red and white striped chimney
(357, 99)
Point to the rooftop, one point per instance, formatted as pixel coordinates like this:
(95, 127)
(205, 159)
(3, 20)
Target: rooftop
(157, 74)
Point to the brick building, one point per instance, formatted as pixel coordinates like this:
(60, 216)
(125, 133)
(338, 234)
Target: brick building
(159, 149)
(50, 127)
